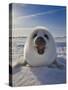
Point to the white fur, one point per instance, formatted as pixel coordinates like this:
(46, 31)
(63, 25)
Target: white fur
(31, 55)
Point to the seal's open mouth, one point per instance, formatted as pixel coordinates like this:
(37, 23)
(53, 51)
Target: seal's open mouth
(40, 45)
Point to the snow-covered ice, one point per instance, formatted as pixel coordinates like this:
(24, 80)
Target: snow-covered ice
(27, 76)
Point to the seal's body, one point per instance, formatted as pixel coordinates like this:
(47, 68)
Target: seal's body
(40, 48)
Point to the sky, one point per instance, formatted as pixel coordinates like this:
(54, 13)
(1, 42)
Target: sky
(27, 16)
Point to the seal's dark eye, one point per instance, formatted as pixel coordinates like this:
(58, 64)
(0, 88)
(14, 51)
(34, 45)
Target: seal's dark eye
(34, 35)
(46, 36)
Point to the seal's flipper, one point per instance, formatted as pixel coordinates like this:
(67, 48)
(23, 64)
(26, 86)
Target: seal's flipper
(24, 63)
(58, 65)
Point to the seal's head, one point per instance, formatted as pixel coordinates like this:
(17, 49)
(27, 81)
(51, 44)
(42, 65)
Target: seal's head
(40, 38)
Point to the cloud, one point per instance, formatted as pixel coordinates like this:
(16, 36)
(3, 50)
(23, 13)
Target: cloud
(39, 14)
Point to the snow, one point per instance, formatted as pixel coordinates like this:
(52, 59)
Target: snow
(28, 76)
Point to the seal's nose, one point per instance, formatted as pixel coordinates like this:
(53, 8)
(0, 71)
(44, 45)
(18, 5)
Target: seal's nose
(40, 40)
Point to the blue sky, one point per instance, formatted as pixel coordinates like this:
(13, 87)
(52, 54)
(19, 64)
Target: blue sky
(29, 16)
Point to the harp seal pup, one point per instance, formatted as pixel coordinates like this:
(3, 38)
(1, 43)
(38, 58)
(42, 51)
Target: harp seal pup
(40, 48)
